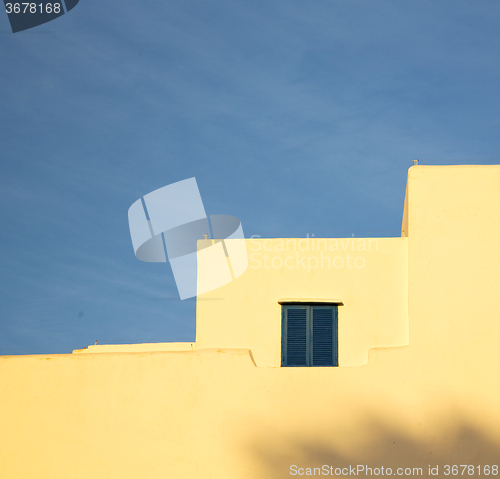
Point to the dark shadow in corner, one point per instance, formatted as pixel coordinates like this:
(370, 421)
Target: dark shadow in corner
(460, 443)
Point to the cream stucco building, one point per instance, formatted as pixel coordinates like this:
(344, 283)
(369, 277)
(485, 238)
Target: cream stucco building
(417, 387)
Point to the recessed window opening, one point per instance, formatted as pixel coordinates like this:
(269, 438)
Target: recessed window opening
(309, 335)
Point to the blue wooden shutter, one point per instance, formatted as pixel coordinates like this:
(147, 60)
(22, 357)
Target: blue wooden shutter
(324, 336)
(295, 336)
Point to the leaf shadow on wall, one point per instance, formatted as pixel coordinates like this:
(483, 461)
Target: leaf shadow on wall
(377, 445)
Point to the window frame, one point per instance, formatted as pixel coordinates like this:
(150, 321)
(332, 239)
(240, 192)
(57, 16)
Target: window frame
(309, 307)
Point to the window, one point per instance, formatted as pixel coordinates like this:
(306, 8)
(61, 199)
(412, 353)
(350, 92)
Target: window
(309, 335)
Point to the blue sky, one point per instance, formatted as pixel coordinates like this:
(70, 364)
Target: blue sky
(297, 117)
